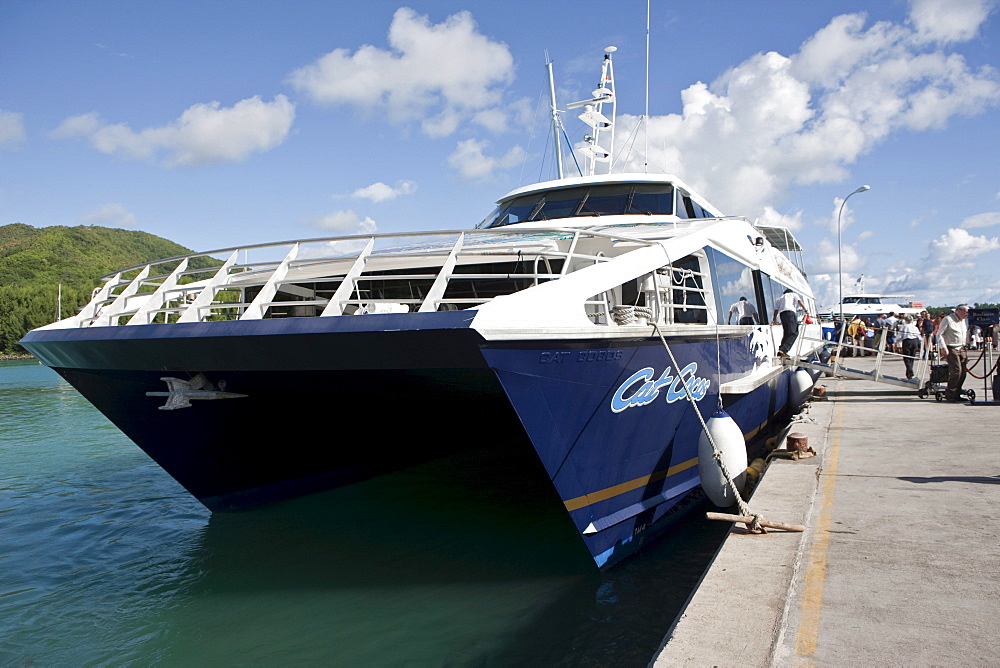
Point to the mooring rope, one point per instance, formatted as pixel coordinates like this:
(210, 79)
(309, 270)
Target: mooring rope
(716, 454)
(629, 315)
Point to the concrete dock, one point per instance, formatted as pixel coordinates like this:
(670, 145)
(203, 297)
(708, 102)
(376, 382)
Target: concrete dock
(900, 560)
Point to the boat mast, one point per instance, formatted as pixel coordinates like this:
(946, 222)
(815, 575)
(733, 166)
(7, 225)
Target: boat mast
(608, 84)
(592, 116)
(556, 139)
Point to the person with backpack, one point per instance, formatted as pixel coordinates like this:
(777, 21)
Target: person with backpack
(856, 330)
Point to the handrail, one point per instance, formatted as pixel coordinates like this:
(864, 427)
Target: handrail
(921, 364)
(426, 274)
(537, 231)
(301, 273)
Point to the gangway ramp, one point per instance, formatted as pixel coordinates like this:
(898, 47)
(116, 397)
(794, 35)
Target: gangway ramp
(882, 358)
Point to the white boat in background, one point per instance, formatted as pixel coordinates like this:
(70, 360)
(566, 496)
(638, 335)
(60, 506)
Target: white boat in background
(583, 327)
(872, 305)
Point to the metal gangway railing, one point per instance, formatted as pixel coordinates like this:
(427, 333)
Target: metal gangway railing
(836, 367)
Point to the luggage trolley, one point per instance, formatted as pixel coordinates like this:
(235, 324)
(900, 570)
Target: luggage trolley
(937, 383)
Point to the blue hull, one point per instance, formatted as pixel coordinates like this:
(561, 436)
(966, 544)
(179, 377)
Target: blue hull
(607, 422)
(615, 431)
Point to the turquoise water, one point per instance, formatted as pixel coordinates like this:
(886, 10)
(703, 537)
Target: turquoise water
(105, 560)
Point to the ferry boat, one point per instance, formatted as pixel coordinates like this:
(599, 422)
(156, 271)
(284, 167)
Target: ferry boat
(871, 304)
(584, 326)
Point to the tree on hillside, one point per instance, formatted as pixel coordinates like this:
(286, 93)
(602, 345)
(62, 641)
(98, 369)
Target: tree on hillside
(34, 262)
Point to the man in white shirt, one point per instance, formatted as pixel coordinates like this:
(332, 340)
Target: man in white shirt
(744, 311)
(909, 337)
(953, 335)
(784, 308)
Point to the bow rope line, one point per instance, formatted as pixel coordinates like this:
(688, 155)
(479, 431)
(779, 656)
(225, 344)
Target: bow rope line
(716, 455)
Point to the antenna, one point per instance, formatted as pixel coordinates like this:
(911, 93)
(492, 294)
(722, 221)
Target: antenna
(645, 151)
(555, 118)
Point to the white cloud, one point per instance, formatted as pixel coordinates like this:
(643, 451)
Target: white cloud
(345, 222)
(110, 215)
(852, 259)
(775, 121)
(956, 248)
(951, 21)
(951, 269)
(981, 220)
(439, 74)
(77, 126)
(11, 128)
(204, 133)
(380, 192)
(864, 236)
(771, 217)
(840, 218)
(472, 164)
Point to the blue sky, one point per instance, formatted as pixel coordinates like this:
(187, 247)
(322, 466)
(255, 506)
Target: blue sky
(221, 123)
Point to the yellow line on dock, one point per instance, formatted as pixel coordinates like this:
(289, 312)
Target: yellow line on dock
(812, 595)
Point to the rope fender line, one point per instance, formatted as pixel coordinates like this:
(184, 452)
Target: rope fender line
(755, 525)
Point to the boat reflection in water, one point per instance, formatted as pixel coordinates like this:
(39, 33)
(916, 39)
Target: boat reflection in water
(109, 561)
(469, 575)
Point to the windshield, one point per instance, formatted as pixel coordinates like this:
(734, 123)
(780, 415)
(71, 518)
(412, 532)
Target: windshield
(602, 200)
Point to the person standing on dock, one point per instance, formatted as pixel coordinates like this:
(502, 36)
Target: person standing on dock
(910, 340)
(785, 310)
(952, 337)
(856, 330)
(927, 329)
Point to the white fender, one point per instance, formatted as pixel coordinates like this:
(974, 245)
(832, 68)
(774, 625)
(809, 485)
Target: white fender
(799, 388)
(815, 373)
(729, 440)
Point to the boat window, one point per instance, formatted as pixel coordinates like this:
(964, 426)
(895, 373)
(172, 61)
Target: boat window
(852, 300)
(650, 199)
(685, 207)
(699, 212)
(773, 290)
(489, 219)
(769, 291)
(688, 291)
(517, 211)
(560, 204)
(603, 200)
(732, 281)
(673, 294)
(606, 201)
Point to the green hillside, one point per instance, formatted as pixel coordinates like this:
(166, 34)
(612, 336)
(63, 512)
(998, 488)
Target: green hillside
(35, 261)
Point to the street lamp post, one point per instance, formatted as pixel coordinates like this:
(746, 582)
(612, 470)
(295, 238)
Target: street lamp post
(840, 265)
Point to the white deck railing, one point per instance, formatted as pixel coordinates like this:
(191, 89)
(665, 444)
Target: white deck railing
(337, 275)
